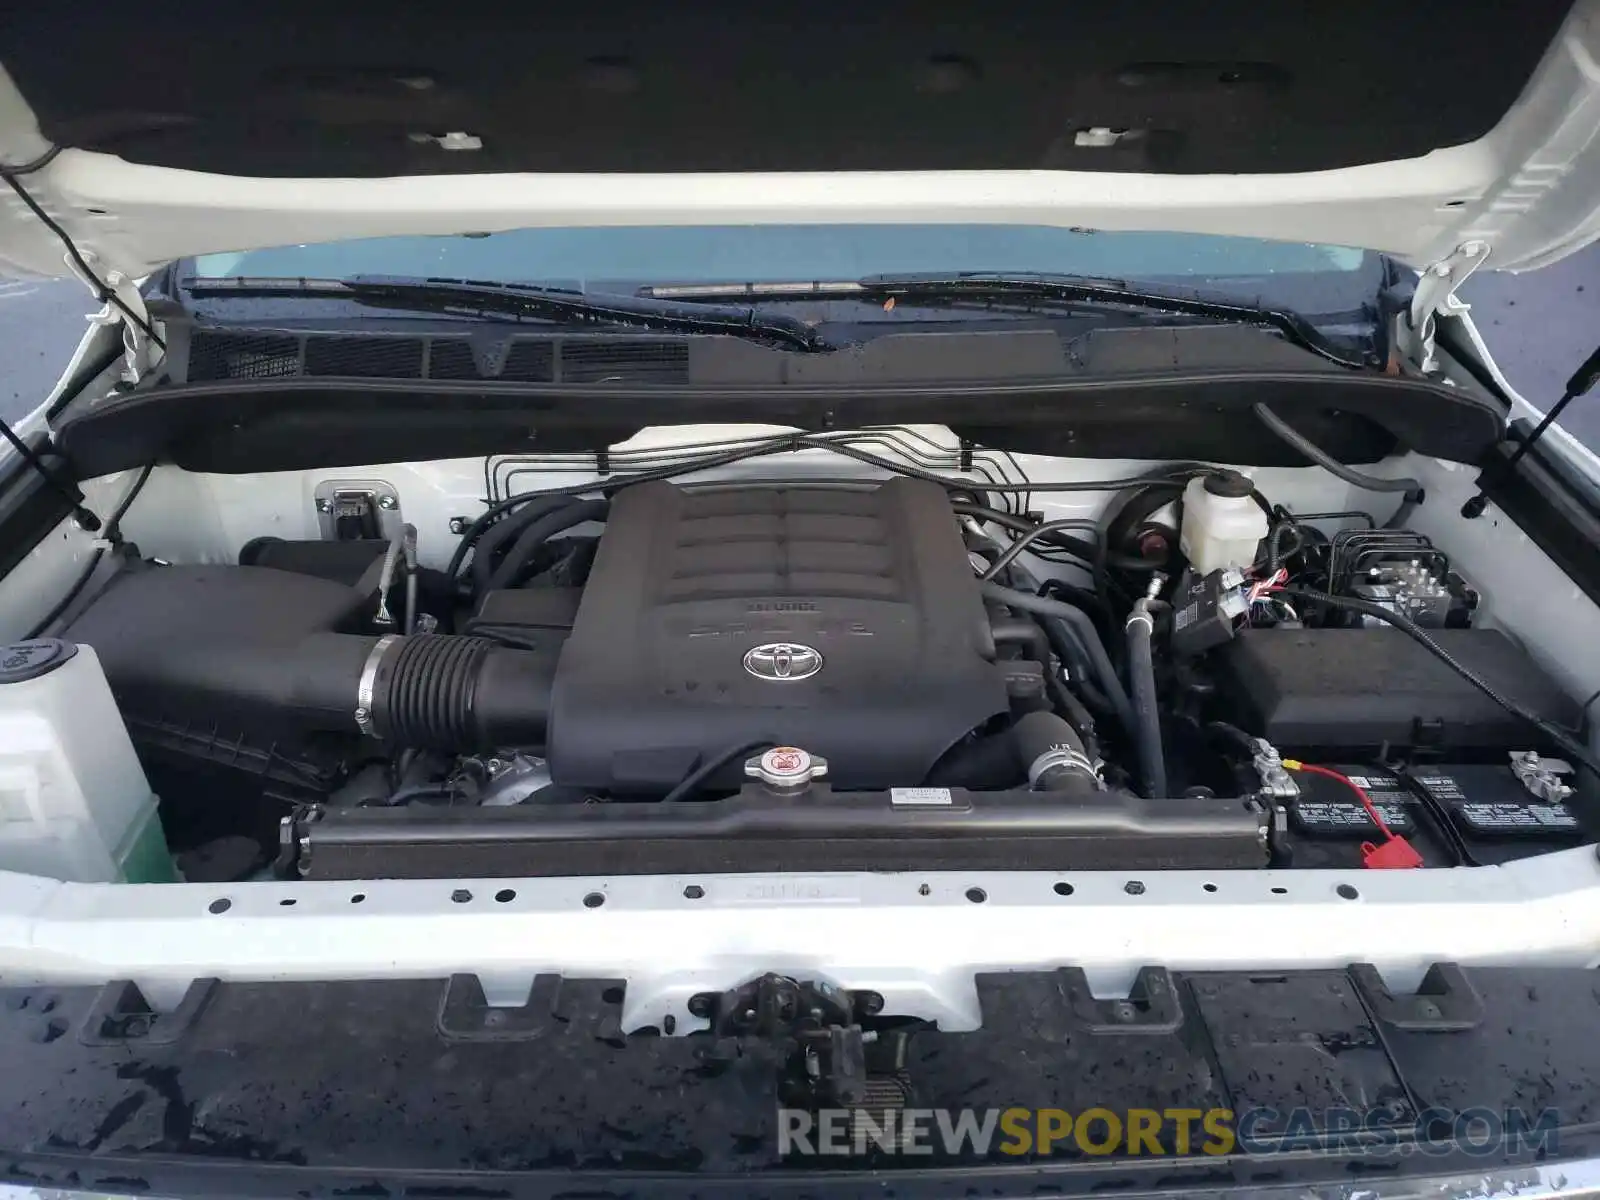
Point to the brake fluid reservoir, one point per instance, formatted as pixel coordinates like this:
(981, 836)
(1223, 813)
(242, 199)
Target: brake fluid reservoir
(1222, 523)
(74, 801)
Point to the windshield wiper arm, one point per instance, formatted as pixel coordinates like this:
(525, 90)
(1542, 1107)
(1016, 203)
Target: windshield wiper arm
(476, 296)
(1036, 290)
(1090, 290)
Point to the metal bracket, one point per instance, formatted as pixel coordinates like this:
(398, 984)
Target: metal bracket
(331, 495)
(139, 354)
(1435, 297)
(824, 1020)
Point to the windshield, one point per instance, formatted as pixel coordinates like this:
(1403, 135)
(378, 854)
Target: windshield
(1323, 278)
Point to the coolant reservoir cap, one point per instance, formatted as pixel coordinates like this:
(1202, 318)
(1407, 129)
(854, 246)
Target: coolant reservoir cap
(22, 661)
(1229, 484)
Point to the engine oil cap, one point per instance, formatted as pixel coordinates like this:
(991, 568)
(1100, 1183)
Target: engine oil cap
(22, 661)
(786, 767)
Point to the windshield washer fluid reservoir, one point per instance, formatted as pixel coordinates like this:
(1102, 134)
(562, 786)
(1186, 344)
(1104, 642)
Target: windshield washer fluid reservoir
(1222, 523)
(74, 801)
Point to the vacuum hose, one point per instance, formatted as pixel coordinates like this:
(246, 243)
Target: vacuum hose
(1147, 714)
(536, 533)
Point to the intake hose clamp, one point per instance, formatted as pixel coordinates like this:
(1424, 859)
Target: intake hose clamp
(366, 687)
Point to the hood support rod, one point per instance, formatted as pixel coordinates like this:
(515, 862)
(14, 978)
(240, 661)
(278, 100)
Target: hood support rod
(1581, 383)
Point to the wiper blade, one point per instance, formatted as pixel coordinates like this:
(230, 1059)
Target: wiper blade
(473, 296)
(1092, 290)
(1040, 290)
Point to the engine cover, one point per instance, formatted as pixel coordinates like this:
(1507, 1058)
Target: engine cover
(842, 619)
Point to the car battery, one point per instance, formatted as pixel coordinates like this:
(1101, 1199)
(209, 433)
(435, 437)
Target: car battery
(1326, 808)
(1328, 824)
(1495, 814)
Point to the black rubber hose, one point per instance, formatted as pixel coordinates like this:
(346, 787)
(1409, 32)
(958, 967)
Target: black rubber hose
(1031, 634)
(60, 607)
(1083, 628)
(1036, 734)
(1069, 649)
(1041, 737)
(1082, 720)
(433, 691)
(691, 783)
(1039, 532)
(502, 532)
(1275, 551)
(1147, 710)
(425, 691)
(1371, 483)
(419, 791)
(537, 533)
(978, 764)
(1066, 642)
(1012, 631)
(1570, 746)
(1054, 538)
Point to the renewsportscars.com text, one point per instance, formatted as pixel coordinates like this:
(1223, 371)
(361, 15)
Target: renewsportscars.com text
(1168, 1131)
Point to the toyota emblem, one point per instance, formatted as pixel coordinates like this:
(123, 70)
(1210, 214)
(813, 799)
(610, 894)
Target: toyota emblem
(783, 662)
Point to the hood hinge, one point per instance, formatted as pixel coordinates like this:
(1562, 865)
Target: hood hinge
(1435, 297)
(139, 352)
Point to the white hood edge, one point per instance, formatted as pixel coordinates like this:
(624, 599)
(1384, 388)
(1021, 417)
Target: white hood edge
(1529, 190)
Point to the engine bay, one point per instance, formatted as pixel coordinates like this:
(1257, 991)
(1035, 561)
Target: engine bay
(912, 672)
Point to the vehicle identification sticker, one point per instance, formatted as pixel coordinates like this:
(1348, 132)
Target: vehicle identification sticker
(920, 796)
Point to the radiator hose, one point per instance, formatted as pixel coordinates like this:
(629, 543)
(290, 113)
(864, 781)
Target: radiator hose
(1054, 754)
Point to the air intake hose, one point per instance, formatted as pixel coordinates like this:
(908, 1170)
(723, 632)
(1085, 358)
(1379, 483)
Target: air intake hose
(453, 693)
(431, 691)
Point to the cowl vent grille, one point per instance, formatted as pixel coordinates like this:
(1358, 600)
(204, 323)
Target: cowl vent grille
(217, 355)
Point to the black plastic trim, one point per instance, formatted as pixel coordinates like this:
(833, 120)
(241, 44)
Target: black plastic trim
(417, 1088)
(1203, 414)
(821, 830)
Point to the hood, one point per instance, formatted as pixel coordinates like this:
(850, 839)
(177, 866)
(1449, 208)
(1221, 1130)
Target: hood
(154, 132)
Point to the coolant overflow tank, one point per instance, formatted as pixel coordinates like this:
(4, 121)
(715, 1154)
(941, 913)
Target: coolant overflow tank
(74, 801)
